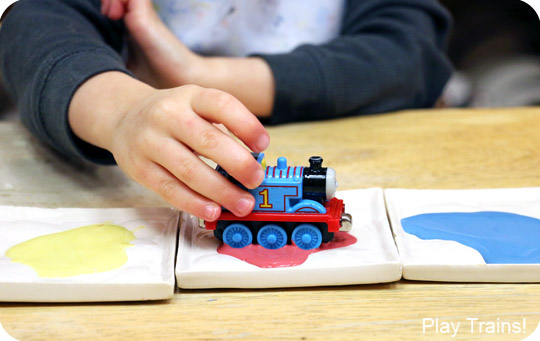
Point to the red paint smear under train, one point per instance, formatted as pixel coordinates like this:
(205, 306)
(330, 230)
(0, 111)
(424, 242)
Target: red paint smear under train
(287, 256)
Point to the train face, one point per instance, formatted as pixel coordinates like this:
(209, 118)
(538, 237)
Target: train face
(292, 205)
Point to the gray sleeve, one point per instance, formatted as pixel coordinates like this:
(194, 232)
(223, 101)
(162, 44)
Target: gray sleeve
(390, 55)
(48, 48)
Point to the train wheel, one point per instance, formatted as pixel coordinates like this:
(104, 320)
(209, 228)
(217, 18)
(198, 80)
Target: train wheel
(272, 237)
(307, 236)
(237, 236)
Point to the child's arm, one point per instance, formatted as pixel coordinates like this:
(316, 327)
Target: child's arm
(160, 59)
(48, 48)
(61, 58)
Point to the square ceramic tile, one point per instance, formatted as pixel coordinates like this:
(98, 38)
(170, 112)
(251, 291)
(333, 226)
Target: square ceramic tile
(490, 235)
(367, 254)
(77, 255)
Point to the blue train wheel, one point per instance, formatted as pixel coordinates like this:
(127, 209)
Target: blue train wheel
(237, 236)
(272, 237)
(307, 236)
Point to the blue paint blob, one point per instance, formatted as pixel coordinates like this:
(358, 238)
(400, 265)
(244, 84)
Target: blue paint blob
(500, 237)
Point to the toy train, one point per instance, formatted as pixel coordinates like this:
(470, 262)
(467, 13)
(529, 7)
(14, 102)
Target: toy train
(292, 205)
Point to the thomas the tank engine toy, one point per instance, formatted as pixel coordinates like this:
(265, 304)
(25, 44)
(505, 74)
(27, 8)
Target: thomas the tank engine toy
(293, 205)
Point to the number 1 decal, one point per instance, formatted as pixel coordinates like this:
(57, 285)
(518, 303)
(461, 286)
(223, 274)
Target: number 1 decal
(265, 203)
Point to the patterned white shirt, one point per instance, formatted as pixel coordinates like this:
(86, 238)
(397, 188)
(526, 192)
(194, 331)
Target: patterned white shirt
(243, 27)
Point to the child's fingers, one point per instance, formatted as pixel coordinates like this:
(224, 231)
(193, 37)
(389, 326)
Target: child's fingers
(158, 179)
(193, 172)
(218, 106)
(116, 9)
(209, 141)
(105, 4)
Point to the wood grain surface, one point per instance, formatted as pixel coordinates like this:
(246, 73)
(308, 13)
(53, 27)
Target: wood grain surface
(412, 149)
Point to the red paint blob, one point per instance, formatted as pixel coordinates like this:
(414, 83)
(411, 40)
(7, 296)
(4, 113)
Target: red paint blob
(287, 256)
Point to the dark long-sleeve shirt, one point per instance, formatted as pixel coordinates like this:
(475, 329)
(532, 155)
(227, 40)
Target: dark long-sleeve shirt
(389, 56)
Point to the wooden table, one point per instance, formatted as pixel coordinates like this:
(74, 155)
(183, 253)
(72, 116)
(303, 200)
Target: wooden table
(411, 149)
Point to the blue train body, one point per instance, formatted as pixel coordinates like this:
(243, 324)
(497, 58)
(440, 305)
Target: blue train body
(282, 191)
(292, 205)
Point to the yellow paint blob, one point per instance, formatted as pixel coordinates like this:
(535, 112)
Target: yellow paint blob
(84, 250)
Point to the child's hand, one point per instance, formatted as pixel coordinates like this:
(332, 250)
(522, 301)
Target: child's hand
(157, 135)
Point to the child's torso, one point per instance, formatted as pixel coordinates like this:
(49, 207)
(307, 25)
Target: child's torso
(242, 27)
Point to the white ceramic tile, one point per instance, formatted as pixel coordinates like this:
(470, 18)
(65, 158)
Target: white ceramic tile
(372, 259)
(148, 273)
(446, 260)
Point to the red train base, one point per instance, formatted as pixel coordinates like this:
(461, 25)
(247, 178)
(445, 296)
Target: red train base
(274, 230)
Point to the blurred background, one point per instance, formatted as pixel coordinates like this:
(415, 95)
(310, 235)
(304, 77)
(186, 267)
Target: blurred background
(494, 46)
(495, 49)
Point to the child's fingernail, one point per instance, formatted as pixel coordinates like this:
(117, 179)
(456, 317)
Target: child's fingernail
(263, 142)
(257, 178)
(211, 212)
(244, 206)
